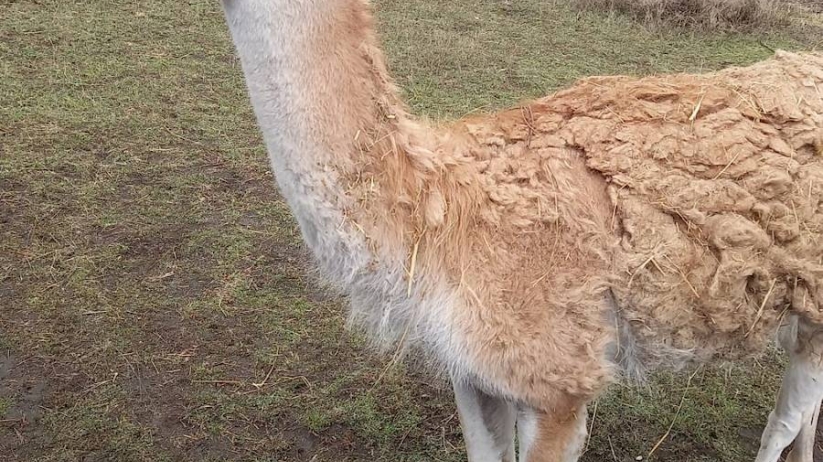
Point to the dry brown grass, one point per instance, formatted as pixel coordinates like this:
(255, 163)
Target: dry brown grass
(702, 14)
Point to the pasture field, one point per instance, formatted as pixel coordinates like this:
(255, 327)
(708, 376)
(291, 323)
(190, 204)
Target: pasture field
(154, 304)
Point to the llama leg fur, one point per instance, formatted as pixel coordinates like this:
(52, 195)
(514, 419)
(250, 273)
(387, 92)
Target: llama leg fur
(556, 436)
(800, 393)
(526, 432)
(798, 401)
(488, 424)
(803, 450)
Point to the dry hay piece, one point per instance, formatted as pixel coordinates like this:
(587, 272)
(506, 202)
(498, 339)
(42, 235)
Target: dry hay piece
(716, 181)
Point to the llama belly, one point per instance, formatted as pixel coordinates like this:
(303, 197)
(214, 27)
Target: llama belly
(648, 341)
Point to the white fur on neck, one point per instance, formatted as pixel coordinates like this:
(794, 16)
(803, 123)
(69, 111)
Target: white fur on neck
(272, 41)
(272, 38)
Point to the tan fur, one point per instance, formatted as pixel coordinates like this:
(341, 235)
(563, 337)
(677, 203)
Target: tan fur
(559, 437)
(520, 230)
(727, 203)
(514, 209)
(695, 200)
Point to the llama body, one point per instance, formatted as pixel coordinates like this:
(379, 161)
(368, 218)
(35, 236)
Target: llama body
(504, 246)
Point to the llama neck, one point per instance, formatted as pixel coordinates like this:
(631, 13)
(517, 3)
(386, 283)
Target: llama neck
(316, 81)
(314, 74)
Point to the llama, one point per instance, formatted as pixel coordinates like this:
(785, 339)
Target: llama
(541, 253)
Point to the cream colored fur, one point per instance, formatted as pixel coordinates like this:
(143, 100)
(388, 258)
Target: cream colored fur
(492, 245)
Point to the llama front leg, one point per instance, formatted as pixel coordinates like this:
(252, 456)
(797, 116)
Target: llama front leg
(556, 436)
(488, 424)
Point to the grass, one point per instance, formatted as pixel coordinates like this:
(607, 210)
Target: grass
(154, 303)
(5, 405)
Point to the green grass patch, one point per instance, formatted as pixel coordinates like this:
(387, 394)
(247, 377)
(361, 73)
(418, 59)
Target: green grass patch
(5, 406)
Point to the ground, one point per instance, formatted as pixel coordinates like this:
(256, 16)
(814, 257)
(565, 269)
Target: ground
(154, 300)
